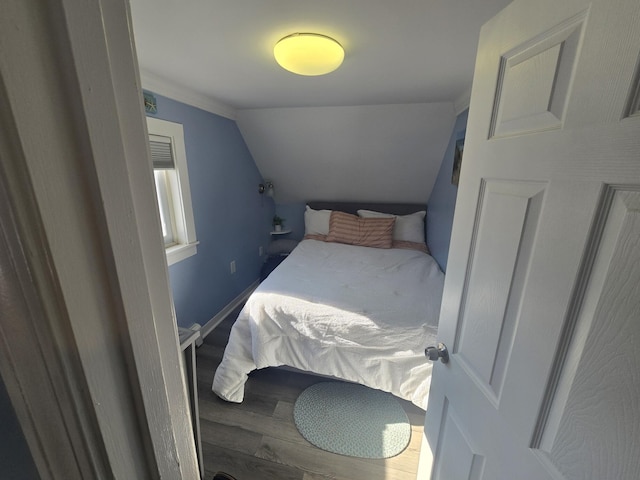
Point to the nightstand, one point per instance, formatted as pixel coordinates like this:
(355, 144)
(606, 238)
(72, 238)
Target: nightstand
(277, 251)
(270, 264)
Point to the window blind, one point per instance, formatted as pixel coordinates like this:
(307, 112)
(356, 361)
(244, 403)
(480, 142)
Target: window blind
(161, 152)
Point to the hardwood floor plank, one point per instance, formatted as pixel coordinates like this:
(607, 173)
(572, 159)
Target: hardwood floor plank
(231, 438)
(317, 476)
(415, 414)
(256, 403)
(284, 411)
(290, 384)
(263, 381)
(245, 467)
(210, 352)
(264, 425)
(317, 461)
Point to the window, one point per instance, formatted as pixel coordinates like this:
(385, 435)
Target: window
(166, 140)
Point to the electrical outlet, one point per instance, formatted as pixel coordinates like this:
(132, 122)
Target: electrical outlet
(232, 265)
(260, 251)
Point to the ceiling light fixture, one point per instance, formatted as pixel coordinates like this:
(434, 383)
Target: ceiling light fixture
(308, 54)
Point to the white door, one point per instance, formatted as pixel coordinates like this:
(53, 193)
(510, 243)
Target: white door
(541, 310)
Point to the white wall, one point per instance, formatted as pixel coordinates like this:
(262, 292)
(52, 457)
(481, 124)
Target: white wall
(357, 153)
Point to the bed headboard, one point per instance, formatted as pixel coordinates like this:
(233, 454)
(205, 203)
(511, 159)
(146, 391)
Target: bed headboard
(353, 207)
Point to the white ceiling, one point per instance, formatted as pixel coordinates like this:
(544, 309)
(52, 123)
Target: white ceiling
(376, 129)
(397, 51)
(383, 153)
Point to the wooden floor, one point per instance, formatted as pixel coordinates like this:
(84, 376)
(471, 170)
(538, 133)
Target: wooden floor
(258, 439)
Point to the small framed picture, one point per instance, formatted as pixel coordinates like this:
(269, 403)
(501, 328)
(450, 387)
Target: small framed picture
(150, 105)
(457, 161)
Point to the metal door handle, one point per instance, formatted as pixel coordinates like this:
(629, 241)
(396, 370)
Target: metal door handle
(438, 352)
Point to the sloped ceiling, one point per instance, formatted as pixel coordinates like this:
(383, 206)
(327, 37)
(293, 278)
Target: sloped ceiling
(372, 130)
(377, 152)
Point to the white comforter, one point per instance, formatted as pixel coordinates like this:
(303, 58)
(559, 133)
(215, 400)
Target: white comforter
(357, 313)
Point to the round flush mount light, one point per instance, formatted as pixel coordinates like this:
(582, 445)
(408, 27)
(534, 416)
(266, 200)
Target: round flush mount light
(308, 54)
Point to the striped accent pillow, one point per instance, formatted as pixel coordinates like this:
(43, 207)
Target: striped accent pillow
(313, 236)
(421, 247)
(365, 232)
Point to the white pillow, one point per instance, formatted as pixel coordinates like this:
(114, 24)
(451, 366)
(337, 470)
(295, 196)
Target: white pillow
(408, 228)
(316, 222)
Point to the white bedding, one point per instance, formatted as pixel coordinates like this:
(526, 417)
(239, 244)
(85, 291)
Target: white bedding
(357, 313)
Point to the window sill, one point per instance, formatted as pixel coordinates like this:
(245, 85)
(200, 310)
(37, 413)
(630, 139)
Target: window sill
(178, 253)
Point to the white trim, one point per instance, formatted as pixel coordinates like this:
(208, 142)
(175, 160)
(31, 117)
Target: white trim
(178, 253)
(461, 103)
(230, 307)
(196, 327)
(425, 464)
(84, 211)
(42, 394)
(165, 207)
(167, 88)
(180, 191)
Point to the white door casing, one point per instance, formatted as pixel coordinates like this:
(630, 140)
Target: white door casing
(541, 309)
(89, 351)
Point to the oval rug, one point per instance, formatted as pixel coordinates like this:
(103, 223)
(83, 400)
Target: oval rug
(352, 420)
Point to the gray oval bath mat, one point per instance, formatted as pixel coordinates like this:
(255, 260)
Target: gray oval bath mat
(352, 420)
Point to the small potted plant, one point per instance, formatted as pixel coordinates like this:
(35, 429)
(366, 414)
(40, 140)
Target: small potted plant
(277, 223)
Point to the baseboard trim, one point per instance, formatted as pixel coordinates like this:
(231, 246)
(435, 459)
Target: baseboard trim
(230, 307)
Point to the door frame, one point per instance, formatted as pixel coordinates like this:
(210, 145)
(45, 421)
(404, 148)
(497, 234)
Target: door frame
(89, 355)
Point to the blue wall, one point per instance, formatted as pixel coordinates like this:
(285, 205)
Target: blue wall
(442, 202)
(232, 219)
(293, 213)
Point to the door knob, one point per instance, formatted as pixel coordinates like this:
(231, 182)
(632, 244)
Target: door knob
(438, 352)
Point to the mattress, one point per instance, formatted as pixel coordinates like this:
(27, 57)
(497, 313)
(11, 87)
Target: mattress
(357, 313)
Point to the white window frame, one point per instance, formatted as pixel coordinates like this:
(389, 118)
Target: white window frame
(165, 207)
(184, 243)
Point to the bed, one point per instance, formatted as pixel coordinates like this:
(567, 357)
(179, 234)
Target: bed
(359, 313)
